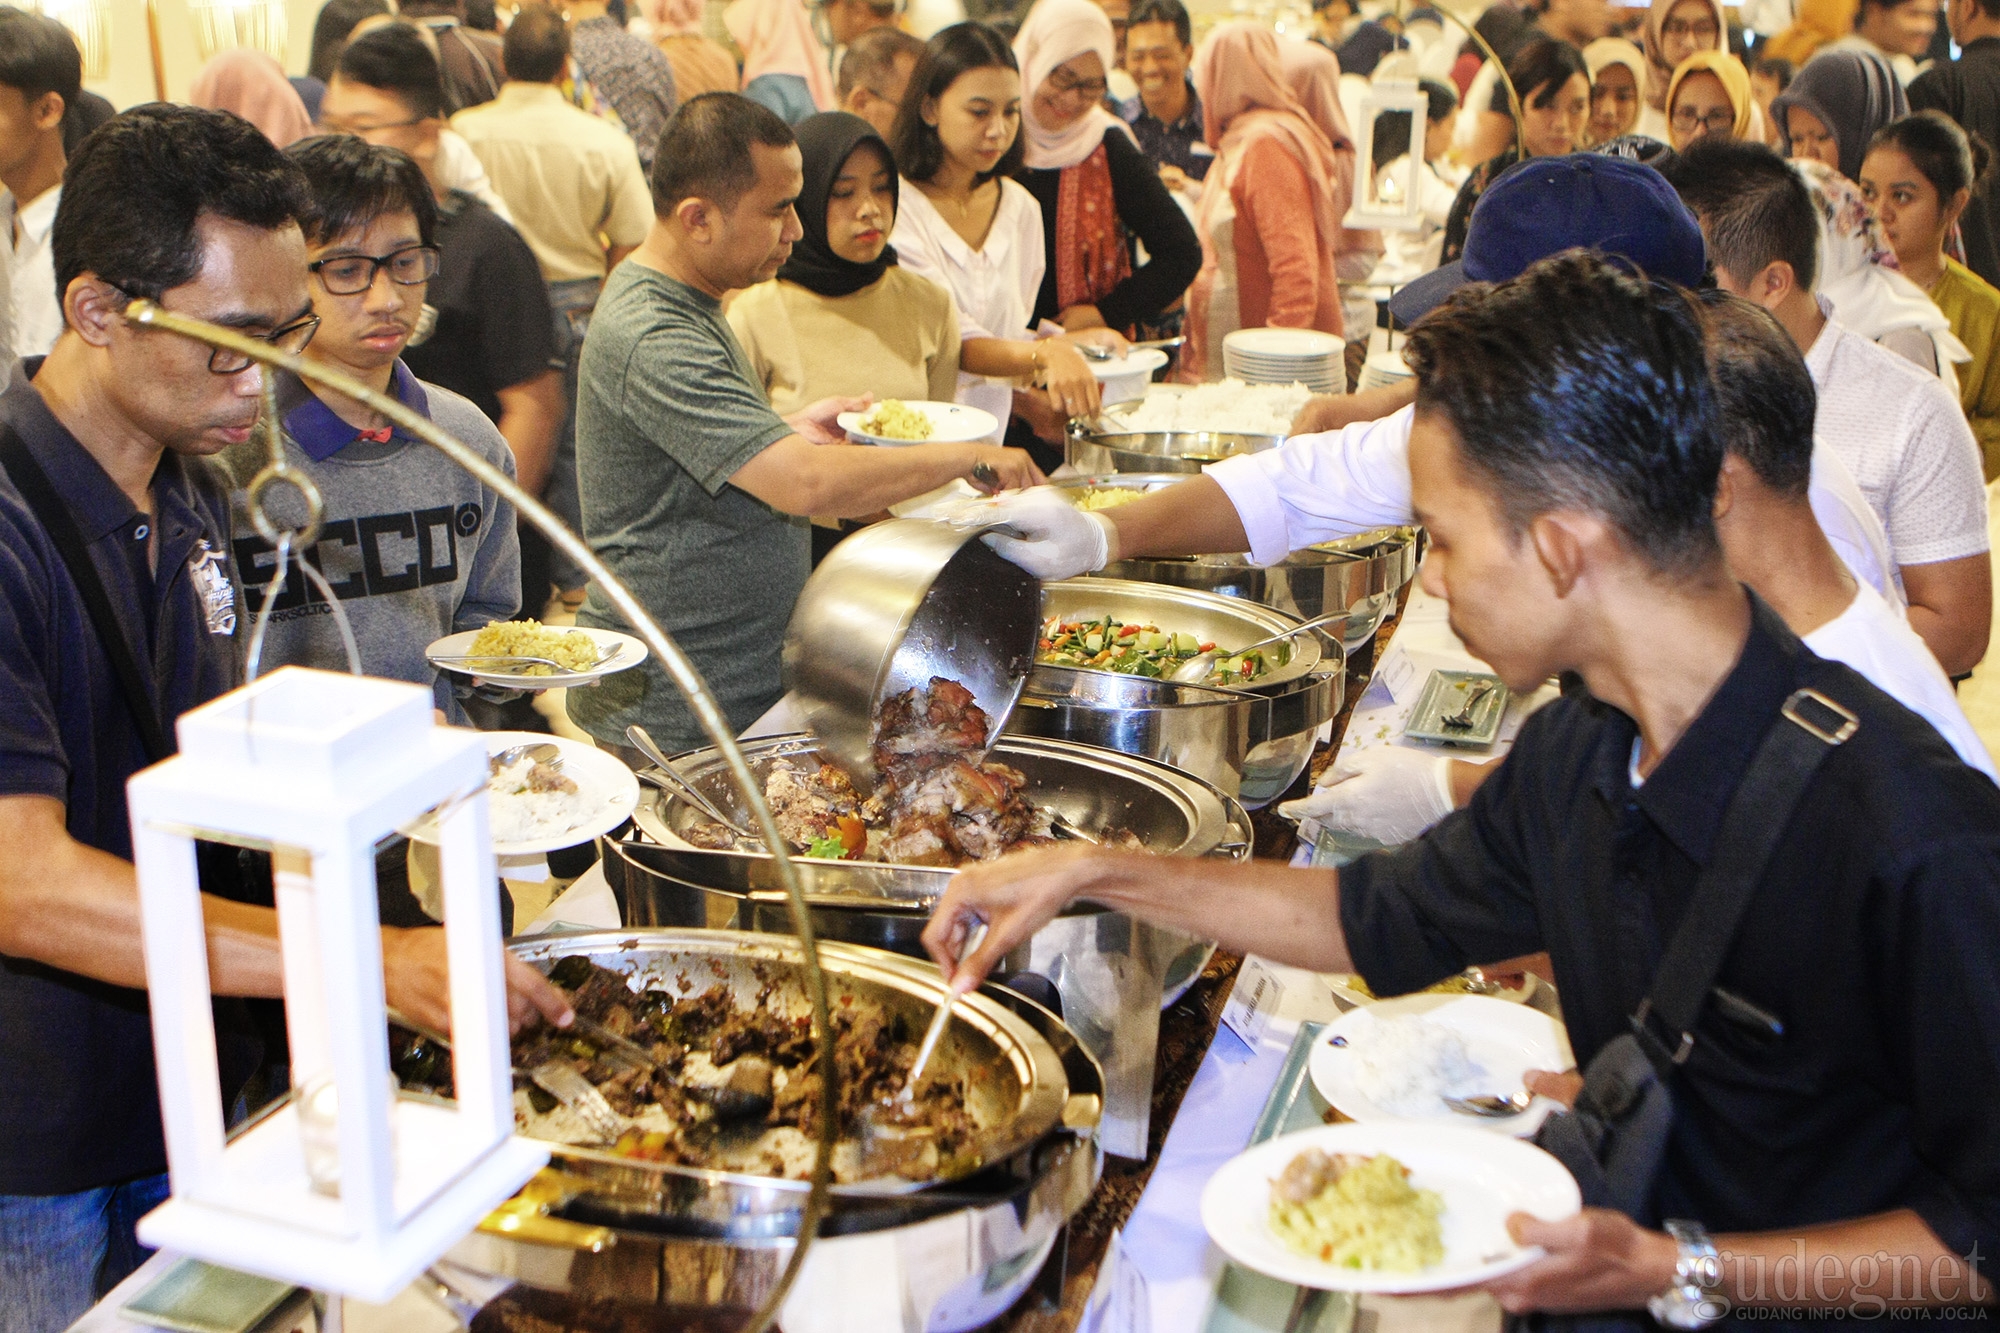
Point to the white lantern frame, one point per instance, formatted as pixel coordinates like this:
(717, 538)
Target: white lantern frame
(317, 767)
(1390, 97)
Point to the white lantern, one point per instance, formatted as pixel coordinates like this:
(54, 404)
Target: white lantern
(1387, 196)
(318, 768)
(224, 25)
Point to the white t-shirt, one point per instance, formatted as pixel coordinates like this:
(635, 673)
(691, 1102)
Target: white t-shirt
(1314, 488)
(1877, 642)
(995, 286)
(31, 272)
(1904, 437)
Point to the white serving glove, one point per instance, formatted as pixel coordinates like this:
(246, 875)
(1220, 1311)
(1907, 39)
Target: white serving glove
(1387, 793)
(1057, 541)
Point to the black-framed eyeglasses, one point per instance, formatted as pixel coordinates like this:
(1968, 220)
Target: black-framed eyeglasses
(340, 126)
(1719, 120)
(292, 339)
(351, 275)
(1701, 30)
(1090, 88)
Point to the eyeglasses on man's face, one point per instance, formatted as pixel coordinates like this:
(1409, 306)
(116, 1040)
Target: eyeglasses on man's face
(290, 339)
(351, 275)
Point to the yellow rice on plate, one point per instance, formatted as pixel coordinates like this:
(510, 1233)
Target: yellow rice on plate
(893, 419)
(574, 650)
(1357, 1212)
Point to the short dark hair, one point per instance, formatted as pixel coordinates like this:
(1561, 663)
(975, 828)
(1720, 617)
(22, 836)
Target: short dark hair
(1163, 11)
(1775, 67)
(1764, 390)
(705, 153)
(1754, 208)
(1949, 157)
(954, 51)
(138, 186)
(536, 48)
(1392, 133)
(1538, 72)
(335, 24)
(1609, 410)
(352, 182)
(395, 59)
(431, 8)
(482, 15)
(38, 56)
(871, 59)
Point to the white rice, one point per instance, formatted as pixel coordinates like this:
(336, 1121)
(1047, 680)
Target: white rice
(1227, 406)
(520, 815)
(1406, 1064)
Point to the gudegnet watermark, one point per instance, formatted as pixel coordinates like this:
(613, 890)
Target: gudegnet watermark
(1878, 1286)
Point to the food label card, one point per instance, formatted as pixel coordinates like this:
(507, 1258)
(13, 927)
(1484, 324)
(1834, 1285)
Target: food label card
(1121, 1301)
(1256, 997)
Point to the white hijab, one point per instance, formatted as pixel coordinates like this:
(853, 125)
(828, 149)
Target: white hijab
(1058, 31)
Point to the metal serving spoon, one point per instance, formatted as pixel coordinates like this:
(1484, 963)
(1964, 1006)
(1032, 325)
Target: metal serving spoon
(669, 778)
(1195, 670)
(542, 752)
(1491, 1106)
(1462, 719)
(938, 1020)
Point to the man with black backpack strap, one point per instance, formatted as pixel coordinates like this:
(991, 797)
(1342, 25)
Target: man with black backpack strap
(1770, 893)
(119, 611)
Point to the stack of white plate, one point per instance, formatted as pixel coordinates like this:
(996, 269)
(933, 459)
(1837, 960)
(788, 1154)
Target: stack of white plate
(1382, 369)
(1286, 356)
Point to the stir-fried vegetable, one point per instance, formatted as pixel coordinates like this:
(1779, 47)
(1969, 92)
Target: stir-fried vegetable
(1107, 644)
(844, 840)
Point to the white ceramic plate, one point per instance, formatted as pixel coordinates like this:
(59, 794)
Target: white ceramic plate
(631, 652)
(1282, 343)
(610, 793)
(1506, 1040)
(1142, 362)
(951, 423)
(1483, 1178)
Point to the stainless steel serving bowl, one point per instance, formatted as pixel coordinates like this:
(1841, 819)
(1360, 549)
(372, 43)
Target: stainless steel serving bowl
(895, 604)
(1361, 574)
(1230, 622)
(1015, 1086)
(584, 1247)
(1090, 448)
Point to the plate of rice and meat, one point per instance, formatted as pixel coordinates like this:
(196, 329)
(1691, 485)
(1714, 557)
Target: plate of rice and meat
(534, 805)
(1389, 1208)
(895, 422)
(526, 654)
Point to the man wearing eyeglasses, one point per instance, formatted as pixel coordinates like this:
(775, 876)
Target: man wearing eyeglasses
(412, 546)
(119, 612)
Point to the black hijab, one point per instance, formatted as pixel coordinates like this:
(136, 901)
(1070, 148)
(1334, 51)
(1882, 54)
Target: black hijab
(826, 141)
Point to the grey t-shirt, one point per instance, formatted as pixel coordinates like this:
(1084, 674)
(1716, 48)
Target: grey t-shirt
(668, 410)
(413, 545)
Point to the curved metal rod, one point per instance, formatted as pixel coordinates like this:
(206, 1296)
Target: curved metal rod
(677, 666)
(1499, 67)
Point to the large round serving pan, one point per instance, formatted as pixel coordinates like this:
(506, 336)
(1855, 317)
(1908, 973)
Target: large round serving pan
(1230, 622)
(1360, 574)
(1089, 449)
(1016, 1087)
(1172, 813)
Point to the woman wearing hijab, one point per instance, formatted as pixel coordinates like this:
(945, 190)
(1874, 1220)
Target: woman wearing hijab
(842, 318)
(700, 64)
(1269, 227)
(1096, 188)
(1709, 96)
(1815, 24)
(1314, 77)
(1858, 275)
(784, 66)
(1617, 89)
(1675, 30)
(253, 86)
(1834, 107)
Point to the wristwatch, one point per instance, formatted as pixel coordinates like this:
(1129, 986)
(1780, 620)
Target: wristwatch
(1691, 1302)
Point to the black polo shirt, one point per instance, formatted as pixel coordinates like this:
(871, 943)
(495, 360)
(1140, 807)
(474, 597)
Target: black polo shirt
(79, 1105)
(1177, 145)
(1875, 938)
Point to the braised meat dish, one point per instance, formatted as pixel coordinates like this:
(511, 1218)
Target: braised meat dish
(735, 1088)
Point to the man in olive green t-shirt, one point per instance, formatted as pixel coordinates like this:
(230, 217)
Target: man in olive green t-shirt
(694, 490)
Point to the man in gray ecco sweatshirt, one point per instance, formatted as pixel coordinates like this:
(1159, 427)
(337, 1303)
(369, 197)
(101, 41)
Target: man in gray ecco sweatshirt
(413, 546)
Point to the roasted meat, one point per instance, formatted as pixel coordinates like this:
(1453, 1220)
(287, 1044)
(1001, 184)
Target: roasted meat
(809, 806)
(942, 807)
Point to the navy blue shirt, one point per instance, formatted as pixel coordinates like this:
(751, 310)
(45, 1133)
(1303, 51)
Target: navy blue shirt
(1177, 145)
(78, 1098)
(1874, 937)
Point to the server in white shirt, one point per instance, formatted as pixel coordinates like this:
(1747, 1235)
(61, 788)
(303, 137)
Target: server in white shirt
(1897, 428)
(41, 73)
(1772, 542)
(1337, 482)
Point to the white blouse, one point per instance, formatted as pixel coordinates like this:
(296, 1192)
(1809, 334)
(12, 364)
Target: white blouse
(994, 286)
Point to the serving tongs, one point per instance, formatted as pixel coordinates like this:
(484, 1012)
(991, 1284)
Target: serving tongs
(559, 1080)
(1092, 352)
(666, 777)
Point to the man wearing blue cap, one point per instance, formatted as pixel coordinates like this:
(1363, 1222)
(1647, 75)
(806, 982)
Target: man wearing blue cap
(1318, 487)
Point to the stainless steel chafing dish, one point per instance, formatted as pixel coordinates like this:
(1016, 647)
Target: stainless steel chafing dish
(1092, 448)
(1229, 622)
(653, 1247)
(1113, 973)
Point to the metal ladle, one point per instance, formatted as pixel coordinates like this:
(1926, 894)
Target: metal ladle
(1195, 670)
